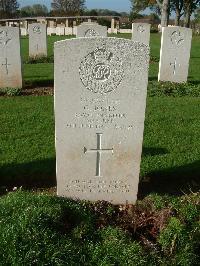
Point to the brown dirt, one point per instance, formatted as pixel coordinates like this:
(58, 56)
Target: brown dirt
(39, 91)
(143, 222)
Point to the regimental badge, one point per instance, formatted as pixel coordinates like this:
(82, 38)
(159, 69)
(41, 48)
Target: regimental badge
(91, 33)
(37, 29)
(177, 38)
(4, 39)
(101, 71)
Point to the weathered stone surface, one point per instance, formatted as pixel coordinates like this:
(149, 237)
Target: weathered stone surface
(60, 31)
(37, 40)
(141, 32)
(24, 32)
(68, 31)
(91, 29)
(10, 58)
(112, 31)
(100, 100)
(175, 54)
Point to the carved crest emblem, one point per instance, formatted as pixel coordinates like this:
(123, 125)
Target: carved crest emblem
(140, 28)
(101, 71)
(177, 38)
(91, 33)
(4, 39)
(37, 29)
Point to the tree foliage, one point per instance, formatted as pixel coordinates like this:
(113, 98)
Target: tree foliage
(8, 8)
(34, 11)
(68, 7)
(103, 12)
(197, 15)
(162, 7)
(165, 7)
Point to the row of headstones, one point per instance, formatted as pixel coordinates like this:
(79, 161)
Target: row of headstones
(100, 100)
(66, 31)
(176, 42)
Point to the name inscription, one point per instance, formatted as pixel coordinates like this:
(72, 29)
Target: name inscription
(97, 186)
(100, 113)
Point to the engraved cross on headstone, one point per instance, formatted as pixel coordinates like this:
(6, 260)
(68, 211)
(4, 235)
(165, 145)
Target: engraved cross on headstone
(98, 151)
(6, 65)
(175, 66)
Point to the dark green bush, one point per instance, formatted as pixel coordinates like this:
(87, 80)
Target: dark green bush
(173, 89)
(38, 229)
(39, 60)
(10, 91)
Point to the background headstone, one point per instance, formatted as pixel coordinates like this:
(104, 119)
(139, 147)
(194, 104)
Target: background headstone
(60, 31)
(24, 32)
(100, 100)
(10, 58)
(91, 29)
(37, 40)
(141, 32)
(74, 30)
(68, 31)
(175, 54)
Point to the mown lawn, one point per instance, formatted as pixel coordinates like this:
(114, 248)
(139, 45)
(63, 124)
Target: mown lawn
(38, 229)
(41, 73)
(171, 142)
(162, 229)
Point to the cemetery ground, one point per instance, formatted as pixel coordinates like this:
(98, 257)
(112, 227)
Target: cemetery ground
(163, 228)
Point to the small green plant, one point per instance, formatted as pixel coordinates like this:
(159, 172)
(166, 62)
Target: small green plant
(10, 91)
(173, 89)
(154, 59)
(39, 60)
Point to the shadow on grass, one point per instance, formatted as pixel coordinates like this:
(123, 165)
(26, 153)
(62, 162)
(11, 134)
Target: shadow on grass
(42, 174)
(194, 82)
(38, 174)
(150, 151)
(39, 83)
(172, 181)
(153, 78)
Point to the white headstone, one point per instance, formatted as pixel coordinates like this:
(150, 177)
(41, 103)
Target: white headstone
(112, 25)
(60, 31)
(37, 40)
(125, 30)
(175, 54)
(141, 32)
(10, 58)
(24, 32)
(74, 30)
(112, 31)
(100, 100)
(68, 31)
(89, 29)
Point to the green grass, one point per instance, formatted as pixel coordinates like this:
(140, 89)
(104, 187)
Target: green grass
(171, 143)
(38, 229)
(163, 229)
(39, 74)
